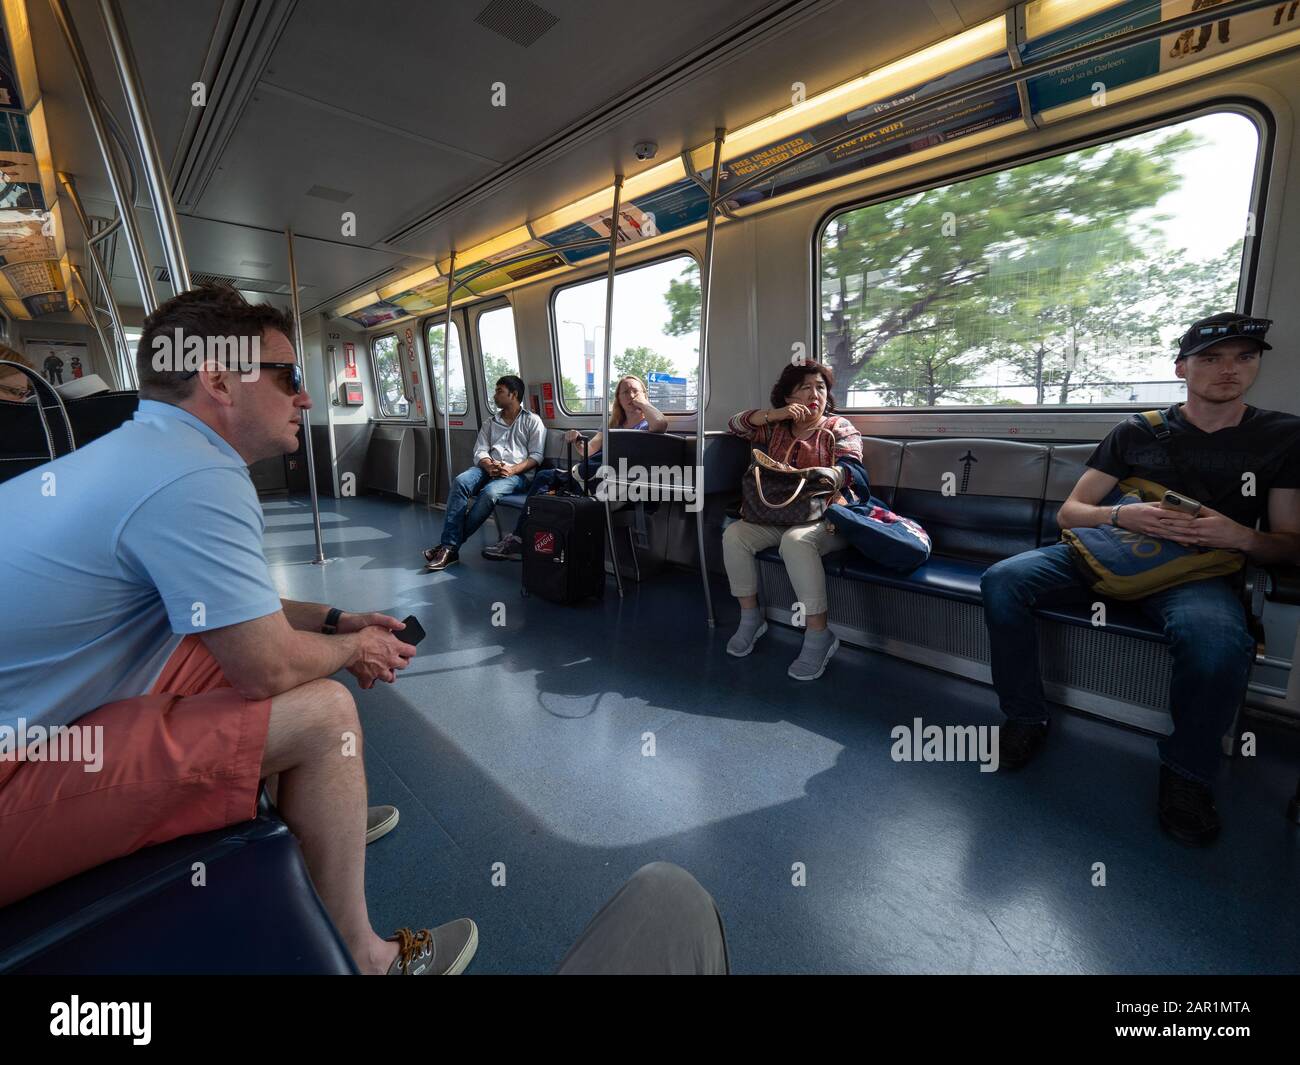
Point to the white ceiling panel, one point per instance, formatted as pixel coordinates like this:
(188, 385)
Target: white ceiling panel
(430, 68)
(284, 148)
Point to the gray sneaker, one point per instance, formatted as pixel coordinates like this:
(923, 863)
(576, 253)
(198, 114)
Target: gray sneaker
(445, 951)
(380, 820)
(508, 549)
(812, 664)
(739, 646)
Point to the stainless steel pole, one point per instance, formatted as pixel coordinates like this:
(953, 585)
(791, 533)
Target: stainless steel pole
(609, 293)
(701, 383)
(605, 399)
(320, 558)
(102, 280)
(92, 316)
(155, 176)
(446, 380)
(126, 209)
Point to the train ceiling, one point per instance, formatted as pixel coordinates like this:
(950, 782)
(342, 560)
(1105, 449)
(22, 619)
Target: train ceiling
(394, 115)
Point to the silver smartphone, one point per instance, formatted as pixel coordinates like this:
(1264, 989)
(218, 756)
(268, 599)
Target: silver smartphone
(1174, 501)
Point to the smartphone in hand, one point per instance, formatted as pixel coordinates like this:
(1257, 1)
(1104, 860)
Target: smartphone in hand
(413, 633)
(1174, 501)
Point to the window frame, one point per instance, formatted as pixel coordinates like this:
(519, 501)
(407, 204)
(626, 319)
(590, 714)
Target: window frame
(384, 416)
(557, 375)
(426, 324)
(1249, 108)
(474, 314)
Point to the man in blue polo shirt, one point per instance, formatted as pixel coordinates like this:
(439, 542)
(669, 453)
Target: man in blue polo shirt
(141, 614)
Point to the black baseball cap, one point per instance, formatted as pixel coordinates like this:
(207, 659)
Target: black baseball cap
(1210, 331)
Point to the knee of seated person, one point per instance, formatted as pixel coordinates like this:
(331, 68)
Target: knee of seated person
(1000, 576)
(795, 541)
(334, 706)
(665, 877)
(732, 533)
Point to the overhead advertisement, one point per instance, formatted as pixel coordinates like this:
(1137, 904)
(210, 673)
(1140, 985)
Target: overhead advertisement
(874, 144)
(432, 295)
(1170, 52)
(509, 275)
(376, 314)
(680, 204)
(25, 236)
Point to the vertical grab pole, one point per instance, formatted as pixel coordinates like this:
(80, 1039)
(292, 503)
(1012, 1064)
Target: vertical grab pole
(320, 558)
(446, 380)
(92, 316)
(126, 370)
(125, 208)
(604, 399)
(155, 176)
(701, 385)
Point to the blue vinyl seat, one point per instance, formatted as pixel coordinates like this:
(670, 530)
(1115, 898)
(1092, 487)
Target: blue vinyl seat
(143, 914)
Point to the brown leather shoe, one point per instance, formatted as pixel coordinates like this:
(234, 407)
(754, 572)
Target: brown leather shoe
(440, 558)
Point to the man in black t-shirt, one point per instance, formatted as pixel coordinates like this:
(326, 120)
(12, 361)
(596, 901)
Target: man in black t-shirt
(1243, 465)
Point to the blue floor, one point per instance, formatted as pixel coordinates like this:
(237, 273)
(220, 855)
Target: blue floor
(522, 744)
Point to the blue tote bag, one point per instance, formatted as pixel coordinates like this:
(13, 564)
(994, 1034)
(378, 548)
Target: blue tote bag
(886, 538)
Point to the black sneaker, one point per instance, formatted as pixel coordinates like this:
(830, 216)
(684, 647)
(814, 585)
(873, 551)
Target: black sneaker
(1018, 742)
(1187, 809)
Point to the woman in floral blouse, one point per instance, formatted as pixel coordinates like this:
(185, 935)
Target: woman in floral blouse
(802, 406)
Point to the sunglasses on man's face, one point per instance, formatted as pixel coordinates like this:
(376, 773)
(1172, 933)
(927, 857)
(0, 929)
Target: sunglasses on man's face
(295, 373)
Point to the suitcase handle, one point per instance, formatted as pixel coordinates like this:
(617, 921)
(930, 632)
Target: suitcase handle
(568, 461)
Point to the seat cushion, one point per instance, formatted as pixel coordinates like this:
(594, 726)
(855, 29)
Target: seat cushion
(956, 578)
(143, 914)
(952, 578)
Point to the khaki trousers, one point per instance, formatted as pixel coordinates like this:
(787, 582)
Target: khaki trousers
(802, 547)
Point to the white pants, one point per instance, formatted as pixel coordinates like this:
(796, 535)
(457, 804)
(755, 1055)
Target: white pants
(802, 547)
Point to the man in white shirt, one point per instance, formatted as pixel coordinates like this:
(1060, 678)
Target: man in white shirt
(508, 448)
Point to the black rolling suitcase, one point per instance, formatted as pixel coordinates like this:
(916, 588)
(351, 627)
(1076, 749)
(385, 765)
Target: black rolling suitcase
(564, 544)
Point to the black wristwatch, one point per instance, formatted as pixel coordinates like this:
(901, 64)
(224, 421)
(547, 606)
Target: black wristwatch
(331, 626)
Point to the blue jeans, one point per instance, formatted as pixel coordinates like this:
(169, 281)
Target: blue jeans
(463, 517)
(546, 479)
(1205, 621)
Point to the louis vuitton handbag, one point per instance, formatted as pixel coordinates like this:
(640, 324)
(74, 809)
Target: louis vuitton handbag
(775, 493)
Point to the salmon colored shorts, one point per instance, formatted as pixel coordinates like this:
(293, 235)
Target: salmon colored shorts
(185, 758)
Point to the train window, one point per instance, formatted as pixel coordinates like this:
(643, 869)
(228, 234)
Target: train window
(656, 334)
(496, 342)
(390, 382)
(1060, 282)
(433, 332)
